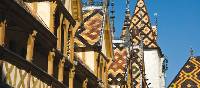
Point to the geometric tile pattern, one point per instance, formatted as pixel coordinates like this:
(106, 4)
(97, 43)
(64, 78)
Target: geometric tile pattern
(140, 25)
(189, 75)
(117, 68)
(89, 32)
(136, 67)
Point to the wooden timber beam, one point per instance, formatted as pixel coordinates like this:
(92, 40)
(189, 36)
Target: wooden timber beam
(2, 32)
(29, 54)
(65, 49)
(52, 12)
(50, 62)
(61, 70)
(85, 82)
(72, 70)
(2, 39)
(76, 10)
(21, 63)
(30, 46)
(59, 34)
(66, 37)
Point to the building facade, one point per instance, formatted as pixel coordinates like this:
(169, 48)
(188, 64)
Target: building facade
(144, 60)
(70, 43)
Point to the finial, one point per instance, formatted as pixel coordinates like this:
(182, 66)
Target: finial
(156, 19)
(127, 4)
(191, 52)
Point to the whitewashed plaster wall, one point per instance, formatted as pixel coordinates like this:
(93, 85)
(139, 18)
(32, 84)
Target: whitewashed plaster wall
(153, 70)
(43, 11)
(89, 58)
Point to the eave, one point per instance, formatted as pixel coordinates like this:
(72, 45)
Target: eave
(82, 69)
(22, 63)
(66, 13)
(30, 21)
(160, 53)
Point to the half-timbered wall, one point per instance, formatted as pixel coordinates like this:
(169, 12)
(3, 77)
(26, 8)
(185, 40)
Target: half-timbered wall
(18, 78)
(27, 19)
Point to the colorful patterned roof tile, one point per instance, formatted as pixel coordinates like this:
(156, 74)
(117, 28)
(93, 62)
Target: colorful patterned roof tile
(117, 68)
(189, 75)
(140, 25)
(136, 67)
(89, 32)
(126, 24)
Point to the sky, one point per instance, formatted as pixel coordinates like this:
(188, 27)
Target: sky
(178, 28)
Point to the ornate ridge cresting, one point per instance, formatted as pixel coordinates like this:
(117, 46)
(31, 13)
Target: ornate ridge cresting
(140, 26)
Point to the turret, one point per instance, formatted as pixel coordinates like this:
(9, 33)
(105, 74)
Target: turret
(126, 20)
(144, 39)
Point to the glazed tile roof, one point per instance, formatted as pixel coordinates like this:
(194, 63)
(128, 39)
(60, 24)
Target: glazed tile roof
(189, 75)
(117, 68)
(140, 25)
(89, 32)
(126, 24)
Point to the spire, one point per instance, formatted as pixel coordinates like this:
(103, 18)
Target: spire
(141, 25)
(142, 35)
(126, 20)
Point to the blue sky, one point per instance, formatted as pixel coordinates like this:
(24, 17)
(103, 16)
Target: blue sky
(178, 28)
